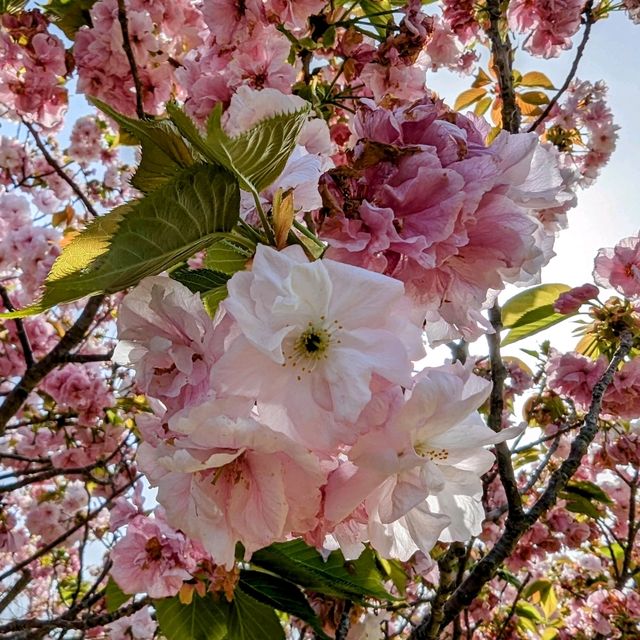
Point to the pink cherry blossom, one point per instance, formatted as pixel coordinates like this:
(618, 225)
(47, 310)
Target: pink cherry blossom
(317, 328)
(552, 24)
(167, 336)
(225, 479)
(421, 199)
(425, 486)
(619, 267)
(152, 558)
(571, 301)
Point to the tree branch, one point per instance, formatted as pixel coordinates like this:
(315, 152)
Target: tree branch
(502, 53)
(343, 626)
(503, 454)
(58, 169)
(27, 352)
(486, 568)
(38, 371)
(126, 45)
(589, 22)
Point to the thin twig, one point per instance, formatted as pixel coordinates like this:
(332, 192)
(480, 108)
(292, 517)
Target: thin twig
(486, 568)
(27, 351)
(343, 626)
(59, 170)
(38, 371)
(494, 420)
(15, 590)
(126, 45)
(589, 22)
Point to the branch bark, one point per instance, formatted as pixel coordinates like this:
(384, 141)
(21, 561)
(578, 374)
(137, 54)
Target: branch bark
(58, 169)
(35, 374)
(486, 568)
(126, 45)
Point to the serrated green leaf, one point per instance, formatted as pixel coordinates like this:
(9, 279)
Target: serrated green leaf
(302, 564)
(252, 620)
(229, 254)
(199, 280)
(114, 596)
(164, 152)
(12, 6)
(213, 298)
(203, 619)
(258, 156)
(143, 238)
(69, 15)
(280, 594)
(532, 311)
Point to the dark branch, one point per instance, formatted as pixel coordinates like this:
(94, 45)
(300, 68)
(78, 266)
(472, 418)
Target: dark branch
(486, 568)
(15, 590)
(59, 170)
(22, 334)
(38, 371)
(502, 52)
(126, 45)
(503, 454)
(589, 21)
(343, 626)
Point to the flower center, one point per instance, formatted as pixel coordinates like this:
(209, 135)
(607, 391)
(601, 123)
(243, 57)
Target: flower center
(435, 455)
(312, 345)
(153, 547)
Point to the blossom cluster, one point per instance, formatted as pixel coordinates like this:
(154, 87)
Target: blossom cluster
(302, 408)
(285, 415)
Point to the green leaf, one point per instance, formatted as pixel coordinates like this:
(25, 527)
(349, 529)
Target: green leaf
(534, 97)
(302, 564)
(252, 620)
(12, 6)
(114, 596)
(199, 280)
(528, 611)
(536, 79)
(69, 15)
(468, 97)
(258, 156)
(371, 7)
(532, 311)
(589, 490)
(482, 106)
(203, 619)
(395, 571)
(213, 298)
(143, 238)
(280, 594)
(164, 152)
(229, 254)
